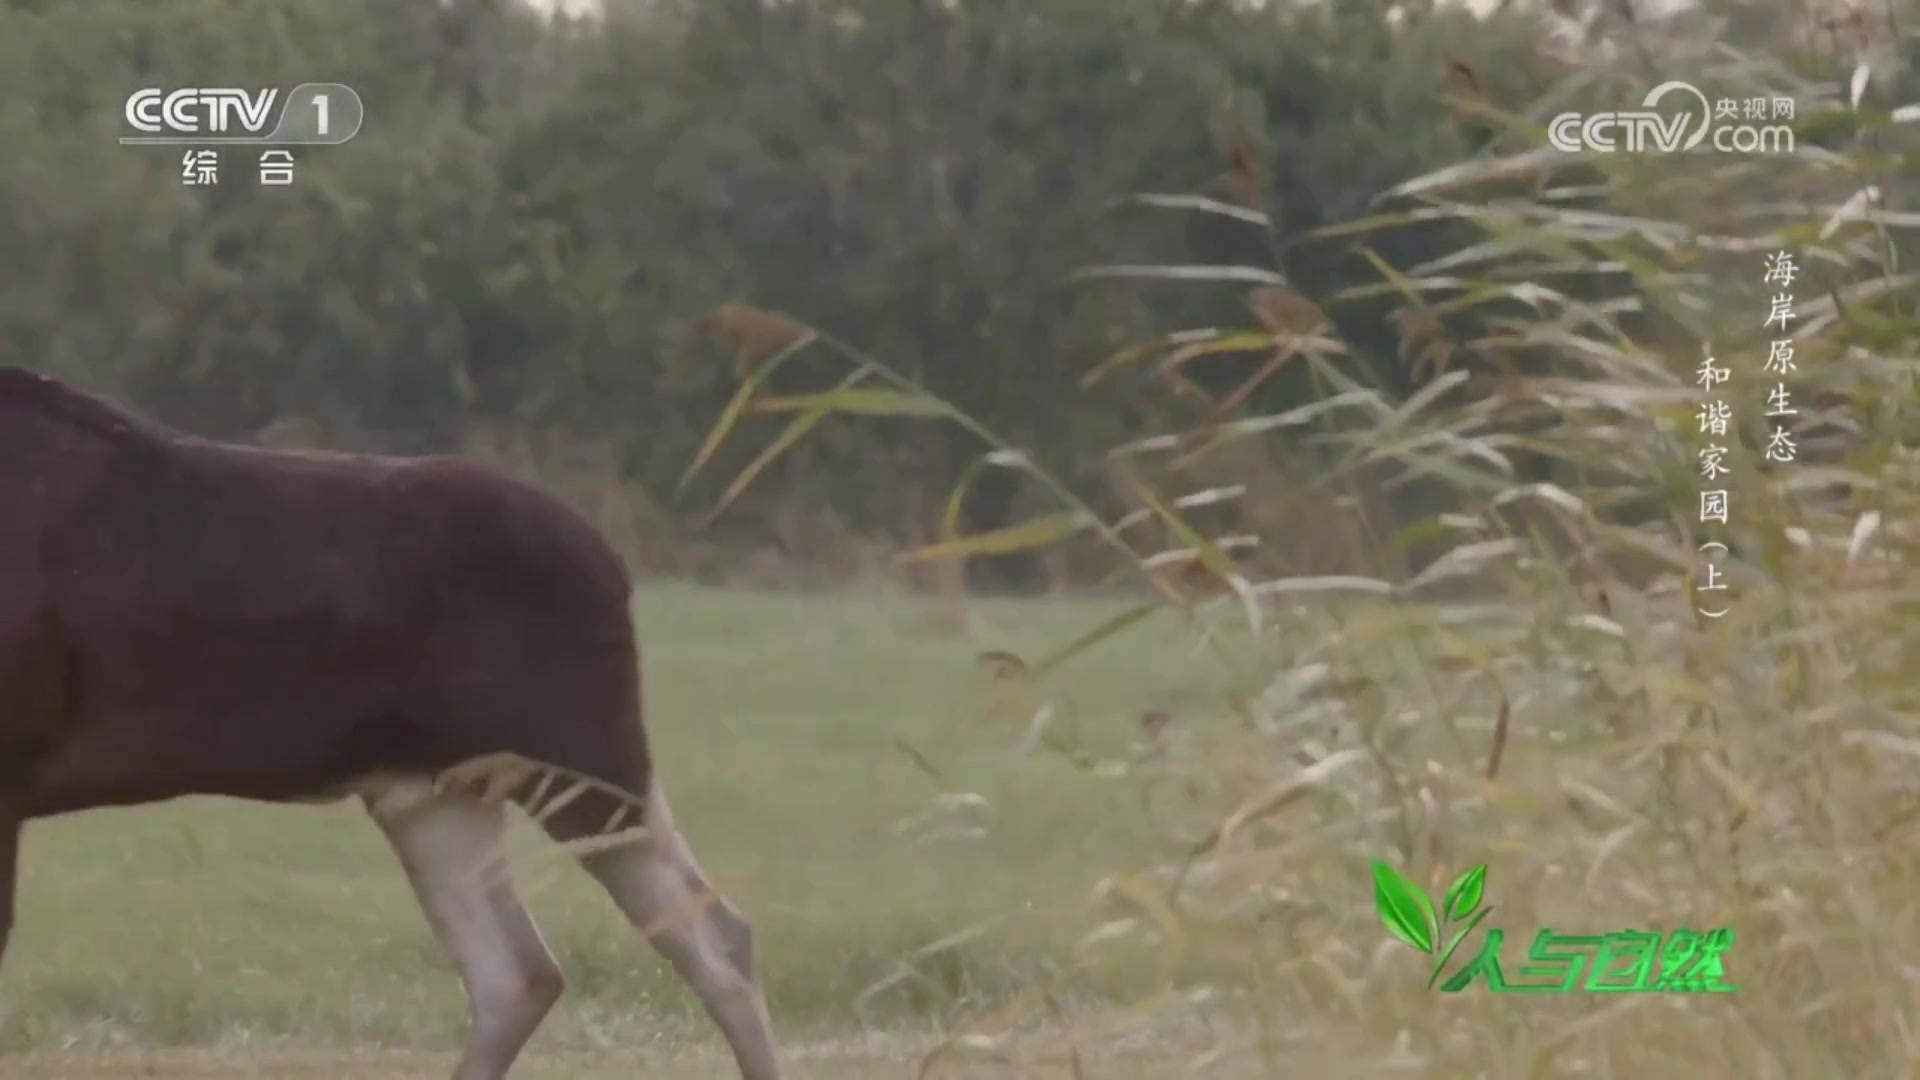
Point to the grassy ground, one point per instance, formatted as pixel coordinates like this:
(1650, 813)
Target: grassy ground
(849, 1063)
(214, 941)
(235, 930)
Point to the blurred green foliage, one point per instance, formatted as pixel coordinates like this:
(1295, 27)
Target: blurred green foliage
(535, 211)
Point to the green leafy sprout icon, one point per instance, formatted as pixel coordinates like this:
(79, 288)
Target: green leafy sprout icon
(1408, 915)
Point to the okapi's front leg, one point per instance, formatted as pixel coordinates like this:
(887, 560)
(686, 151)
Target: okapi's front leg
(9, 871)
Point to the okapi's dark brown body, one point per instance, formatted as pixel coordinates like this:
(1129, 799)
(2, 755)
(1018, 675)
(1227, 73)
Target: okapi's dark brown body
(183, 617)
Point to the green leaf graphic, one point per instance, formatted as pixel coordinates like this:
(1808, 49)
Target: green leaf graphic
(1404, 910)
(1458, 936)
(1464, 894)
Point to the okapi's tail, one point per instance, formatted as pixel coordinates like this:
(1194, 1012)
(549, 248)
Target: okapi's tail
(582, 814)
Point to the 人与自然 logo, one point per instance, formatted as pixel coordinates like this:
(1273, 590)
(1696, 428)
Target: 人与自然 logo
(1623, 961)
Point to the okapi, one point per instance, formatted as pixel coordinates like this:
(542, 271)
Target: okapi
(183, 617)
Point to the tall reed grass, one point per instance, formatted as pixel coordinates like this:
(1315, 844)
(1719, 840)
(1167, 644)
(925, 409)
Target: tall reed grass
(1543, 695)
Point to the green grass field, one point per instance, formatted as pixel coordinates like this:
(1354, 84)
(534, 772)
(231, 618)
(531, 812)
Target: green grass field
(234, 929)
(220, 941)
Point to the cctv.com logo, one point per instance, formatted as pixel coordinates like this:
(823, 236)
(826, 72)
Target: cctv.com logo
(1732, 125)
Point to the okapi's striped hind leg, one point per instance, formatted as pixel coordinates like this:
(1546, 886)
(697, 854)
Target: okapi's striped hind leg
(659, 887)
(450, 843)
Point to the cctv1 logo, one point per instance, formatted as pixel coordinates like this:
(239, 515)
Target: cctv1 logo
(310, 114)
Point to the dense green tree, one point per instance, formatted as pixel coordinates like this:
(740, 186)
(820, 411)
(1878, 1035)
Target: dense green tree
(535, 210)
